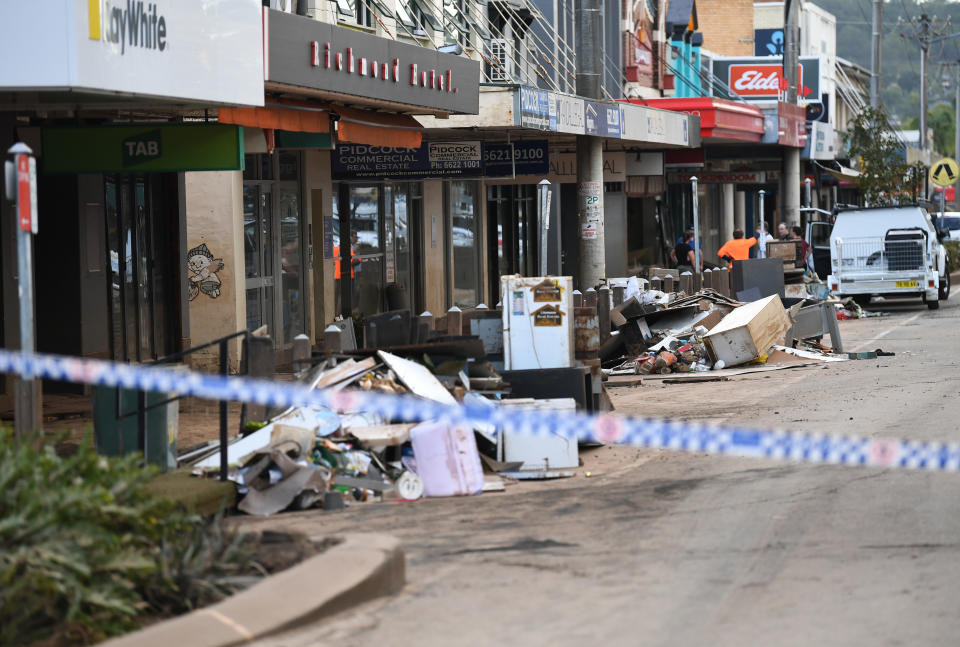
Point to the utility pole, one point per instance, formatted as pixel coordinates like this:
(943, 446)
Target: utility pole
(925, 30)
(875, 58)
(791, 155)
(590, 149)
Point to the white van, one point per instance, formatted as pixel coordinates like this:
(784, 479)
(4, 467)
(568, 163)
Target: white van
(889, 252)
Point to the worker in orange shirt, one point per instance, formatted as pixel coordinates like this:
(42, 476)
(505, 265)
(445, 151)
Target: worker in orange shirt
(736, 249)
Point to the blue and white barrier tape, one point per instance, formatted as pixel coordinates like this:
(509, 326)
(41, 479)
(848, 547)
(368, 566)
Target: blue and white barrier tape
(606, 428)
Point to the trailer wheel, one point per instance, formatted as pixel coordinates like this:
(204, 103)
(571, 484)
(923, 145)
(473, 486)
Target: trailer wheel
(945, 287)
(933, 305)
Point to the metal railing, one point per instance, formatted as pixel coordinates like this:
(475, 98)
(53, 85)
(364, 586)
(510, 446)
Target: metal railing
(881, 256)
(222, 343)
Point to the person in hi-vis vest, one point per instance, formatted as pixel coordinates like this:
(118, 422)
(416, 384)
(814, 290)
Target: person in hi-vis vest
(354, 268)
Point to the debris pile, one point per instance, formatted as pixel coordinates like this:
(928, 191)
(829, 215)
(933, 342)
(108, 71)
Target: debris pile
(689, 329)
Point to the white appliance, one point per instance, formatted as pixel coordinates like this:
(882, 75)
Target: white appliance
(537, 322)
(541, 453)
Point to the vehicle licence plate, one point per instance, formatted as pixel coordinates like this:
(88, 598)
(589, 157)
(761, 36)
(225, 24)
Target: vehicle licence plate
(907, 284)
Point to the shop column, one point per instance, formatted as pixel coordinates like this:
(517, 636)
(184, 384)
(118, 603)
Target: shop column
(215, 271)
(727, 219)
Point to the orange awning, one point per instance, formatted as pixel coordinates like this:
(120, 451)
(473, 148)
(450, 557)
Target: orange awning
(355, 125)
(300, 121)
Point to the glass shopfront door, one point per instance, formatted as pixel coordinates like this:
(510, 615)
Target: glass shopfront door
(384, 222)
(258, 255)
(273, 234)
(140, 243)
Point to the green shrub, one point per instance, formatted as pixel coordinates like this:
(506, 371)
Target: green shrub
(953, 254)
(86, 551)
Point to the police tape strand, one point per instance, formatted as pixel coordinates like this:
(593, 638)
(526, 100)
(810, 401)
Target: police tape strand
(605, 428)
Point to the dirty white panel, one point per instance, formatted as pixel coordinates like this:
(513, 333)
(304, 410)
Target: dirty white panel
(549, 452)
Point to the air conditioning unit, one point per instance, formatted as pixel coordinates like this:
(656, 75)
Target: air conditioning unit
(501, 67)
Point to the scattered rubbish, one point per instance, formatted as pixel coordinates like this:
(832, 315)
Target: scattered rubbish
(448, 462)
(748, 331)
(882, 353)
(864, 355)
(409, 486)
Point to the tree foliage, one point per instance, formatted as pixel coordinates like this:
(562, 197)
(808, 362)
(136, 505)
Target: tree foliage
(883, 167)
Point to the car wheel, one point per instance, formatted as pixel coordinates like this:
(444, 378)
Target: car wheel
(945, 287)
(933, 305)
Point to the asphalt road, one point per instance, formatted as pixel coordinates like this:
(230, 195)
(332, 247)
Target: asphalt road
(661, 548)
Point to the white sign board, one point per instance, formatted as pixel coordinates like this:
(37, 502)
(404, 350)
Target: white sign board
(659, 126)
(570, 116)
(205, 52)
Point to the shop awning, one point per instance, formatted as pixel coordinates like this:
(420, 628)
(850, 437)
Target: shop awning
(843, 174)
(353, 125)
(721, 120)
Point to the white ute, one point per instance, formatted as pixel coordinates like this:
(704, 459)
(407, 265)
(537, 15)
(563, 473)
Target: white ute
(890, 252)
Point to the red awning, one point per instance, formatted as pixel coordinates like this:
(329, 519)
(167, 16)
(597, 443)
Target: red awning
(720, 120)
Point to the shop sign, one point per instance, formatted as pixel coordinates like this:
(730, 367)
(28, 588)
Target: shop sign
(432, 159)
(538, 109)
(761, 78)
(312, 54)
(642, 124)
(792, 127)
(734, 177)
(209, 52)
(147, 148)
(602, 120)
(570, 115)
(515, 159)
(563, 167)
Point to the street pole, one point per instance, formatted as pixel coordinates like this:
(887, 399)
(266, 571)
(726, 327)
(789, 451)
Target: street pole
(956, 129)
(791, 155)
(544, 203)
(696, 224)
(592, 250)
(763, 217)
(924, 50)
(806, 182)
(875, 58)
(21, 184)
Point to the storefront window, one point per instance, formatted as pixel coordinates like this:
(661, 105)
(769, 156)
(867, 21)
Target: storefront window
(464, 253)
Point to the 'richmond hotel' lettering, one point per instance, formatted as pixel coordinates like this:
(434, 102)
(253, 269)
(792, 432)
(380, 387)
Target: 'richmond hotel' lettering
(385, 71)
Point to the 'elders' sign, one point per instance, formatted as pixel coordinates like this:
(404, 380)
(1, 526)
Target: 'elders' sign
(760, 78)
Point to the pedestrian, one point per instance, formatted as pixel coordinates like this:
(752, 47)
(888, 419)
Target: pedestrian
(763, 237)
(736, 249)
(683, 252)
(797, 234)
(673, 252)
(783, 232)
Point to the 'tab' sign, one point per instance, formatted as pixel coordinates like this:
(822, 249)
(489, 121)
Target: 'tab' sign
(142, 147)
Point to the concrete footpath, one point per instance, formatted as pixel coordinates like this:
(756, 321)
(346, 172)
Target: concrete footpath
(360, 568)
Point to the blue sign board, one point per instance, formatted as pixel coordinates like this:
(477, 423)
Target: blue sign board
(768, 42)
(534, 110)
(603, 120)
(529, 158)
(440, 160)
(432, 159)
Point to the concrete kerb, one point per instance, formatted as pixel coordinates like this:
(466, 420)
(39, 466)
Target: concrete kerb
(360, 568)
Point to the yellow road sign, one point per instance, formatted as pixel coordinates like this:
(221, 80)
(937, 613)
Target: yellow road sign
(945, 172)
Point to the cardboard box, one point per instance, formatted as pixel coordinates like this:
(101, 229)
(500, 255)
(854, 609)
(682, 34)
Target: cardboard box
(748, 332)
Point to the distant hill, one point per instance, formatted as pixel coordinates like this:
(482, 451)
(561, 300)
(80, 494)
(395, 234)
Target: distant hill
(901, 57)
